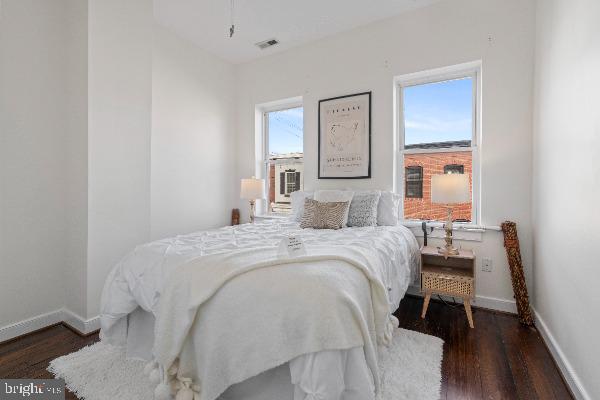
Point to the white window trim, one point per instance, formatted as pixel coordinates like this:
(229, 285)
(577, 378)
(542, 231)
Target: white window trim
(262, 145)
(472, 69)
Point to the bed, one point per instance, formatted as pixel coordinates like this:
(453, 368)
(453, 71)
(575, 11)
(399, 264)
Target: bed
(222, 314)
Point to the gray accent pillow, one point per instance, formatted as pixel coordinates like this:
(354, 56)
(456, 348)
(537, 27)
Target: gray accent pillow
(363, 209)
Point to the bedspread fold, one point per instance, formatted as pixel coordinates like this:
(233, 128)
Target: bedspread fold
(192, 333)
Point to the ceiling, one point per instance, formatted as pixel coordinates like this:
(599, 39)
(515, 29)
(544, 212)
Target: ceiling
(206, 22)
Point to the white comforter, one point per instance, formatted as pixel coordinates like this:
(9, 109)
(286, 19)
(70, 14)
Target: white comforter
(139, 279)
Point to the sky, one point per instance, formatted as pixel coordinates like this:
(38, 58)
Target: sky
(438, 112)
(434, 112)
(286, 131)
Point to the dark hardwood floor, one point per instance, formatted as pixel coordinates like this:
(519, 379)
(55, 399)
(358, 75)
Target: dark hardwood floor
(499, 359)
(29, 355)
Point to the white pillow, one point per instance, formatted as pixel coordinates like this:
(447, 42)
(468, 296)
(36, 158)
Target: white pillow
(388, 209)
(297, 199)
(329, 196)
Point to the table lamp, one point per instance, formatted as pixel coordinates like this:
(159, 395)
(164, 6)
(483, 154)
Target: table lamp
(450, 189)
(252, 189)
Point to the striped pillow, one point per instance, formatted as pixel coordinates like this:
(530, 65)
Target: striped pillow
(319, 215)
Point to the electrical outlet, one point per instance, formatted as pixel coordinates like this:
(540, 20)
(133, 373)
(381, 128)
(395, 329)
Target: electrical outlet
(486, 264)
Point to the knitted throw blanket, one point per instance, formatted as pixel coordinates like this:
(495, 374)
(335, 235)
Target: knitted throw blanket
(199, 353)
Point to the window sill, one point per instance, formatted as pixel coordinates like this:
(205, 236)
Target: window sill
(461, 231)
(466, 226)
(272, 216)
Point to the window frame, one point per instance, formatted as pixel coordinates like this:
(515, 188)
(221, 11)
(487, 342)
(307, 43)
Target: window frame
(467, 70)
(262, 147)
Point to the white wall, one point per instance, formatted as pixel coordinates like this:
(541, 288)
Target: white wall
(76, 158)
(192, 137)
(566, 184)
(498, 32)
(119, 127)
(32, 158)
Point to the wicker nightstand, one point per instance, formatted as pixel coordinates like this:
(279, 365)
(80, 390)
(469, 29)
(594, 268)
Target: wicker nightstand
(452, 276)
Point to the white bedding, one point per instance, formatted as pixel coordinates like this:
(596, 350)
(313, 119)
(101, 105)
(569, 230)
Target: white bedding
(139, 278)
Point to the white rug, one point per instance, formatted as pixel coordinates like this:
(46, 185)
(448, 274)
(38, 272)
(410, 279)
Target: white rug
(410, 369)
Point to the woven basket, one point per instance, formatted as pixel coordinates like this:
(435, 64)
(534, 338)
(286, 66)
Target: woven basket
(449, 284)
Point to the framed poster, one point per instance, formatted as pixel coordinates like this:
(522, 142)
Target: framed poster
(345, 137)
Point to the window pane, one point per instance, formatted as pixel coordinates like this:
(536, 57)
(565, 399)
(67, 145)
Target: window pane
(438, 113)
(417, 202)
(414, 182)
(414, 173)
(414, 190)
(286, 132)
(285, 168)
(454, 169)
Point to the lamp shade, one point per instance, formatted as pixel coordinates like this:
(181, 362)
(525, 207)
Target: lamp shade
(450, 189)
(252, 189)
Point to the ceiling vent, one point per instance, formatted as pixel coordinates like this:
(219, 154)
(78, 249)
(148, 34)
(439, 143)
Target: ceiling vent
(267, 43)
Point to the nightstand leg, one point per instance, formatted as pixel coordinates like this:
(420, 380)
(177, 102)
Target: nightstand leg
(426, 304)
(469, 313)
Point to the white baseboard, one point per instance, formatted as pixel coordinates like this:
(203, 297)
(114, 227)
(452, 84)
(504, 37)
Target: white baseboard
(52, 318)
(84, 326)
(493, 303)
(29, 325)
(480, 301)
(564, 365)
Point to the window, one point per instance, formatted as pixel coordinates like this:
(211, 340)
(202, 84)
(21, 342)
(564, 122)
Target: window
(283, 155)
(438, 127)
(454, 169)
(414, 182)
(291, 182)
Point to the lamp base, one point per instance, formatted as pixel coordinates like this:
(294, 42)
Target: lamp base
(448, 249)
(252, 210)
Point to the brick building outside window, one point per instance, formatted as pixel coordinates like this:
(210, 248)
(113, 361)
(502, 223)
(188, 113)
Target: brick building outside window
(435, 164)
